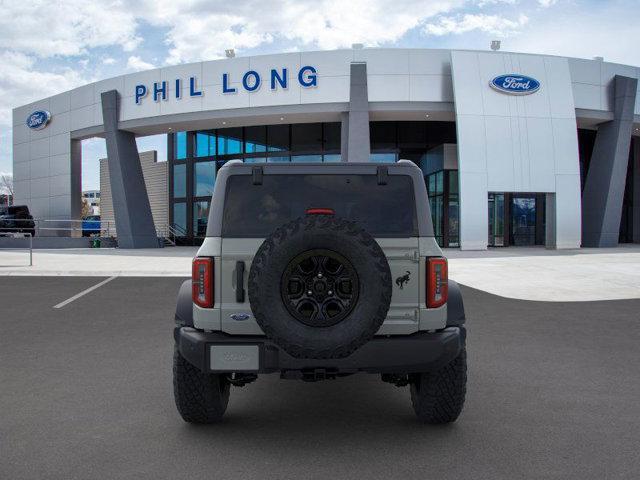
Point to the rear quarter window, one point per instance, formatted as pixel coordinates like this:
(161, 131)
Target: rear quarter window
(256, 210)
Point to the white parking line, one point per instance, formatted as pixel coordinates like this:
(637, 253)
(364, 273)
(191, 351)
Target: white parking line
(84, 292)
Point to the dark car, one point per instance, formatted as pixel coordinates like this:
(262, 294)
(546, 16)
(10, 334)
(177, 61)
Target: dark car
(17, 219)
(91, 225)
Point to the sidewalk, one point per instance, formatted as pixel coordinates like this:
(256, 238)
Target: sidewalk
(550, 275)
(154, 262)
(521, 273)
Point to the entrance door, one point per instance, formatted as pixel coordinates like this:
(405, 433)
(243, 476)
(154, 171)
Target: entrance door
(496, 220)
(523, 220)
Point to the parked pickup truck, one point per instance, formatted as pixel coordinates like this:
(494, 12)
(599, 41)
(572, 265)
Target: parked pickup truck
(17, 219)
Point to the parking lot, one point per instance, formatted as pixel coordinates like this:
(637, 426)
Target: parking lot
(85, 392)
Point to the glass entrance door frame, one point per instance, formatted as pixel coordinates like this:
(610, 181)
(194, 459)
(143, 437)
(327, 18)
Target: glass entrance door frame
(501, 221)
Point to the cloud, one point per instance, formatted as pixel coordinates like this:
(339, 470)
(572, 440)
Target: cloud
(66, 28)
(21, 83)
(547, 3)
(135, 63)
(587, 37)
(491, 24)
(214, 26)
(108, 61)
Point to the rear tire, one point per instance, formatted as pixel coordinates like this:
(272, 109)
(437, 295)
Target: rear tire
(438, 397)
(200, 397)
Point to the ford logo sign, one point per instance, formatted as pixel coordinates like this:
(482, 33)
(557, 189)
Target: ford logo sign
(38, 119)
(515, 84)
(240, 317)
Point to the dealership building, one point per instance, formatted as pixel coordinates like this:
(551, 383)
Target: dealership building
(516, 149)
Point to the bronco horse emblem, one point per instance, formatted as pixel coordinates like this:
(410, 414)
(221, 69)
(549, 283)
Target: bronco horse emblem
(400, 281)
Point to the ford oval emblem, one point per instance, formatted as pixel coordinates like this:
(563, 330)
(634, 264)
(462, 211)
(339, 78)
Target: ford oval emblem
(240, 317)
(515, 84)
(38, 119)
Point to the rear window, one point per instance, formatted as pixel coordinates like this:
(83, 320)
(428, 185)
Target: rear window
(382, 210)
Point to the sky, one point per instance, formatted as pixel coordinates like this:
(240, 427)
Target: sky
(48, 47)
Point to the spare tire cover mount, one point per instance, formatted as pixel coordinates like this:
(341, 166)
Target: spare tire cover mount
(320, 287)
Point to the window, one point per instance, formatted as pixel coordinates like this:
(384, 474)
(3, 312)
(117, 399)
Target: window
(412, 135)
(255, 139)
(389, 210)
(278, 137)
(180, 146)
(436, 205)
(332, 135)
(439, 182)
(454, 209)
(383, 135)
(277, 159)
(439, 206)
(205, 144)
(204, 177)
(333, 157)
(180, 180)
(306, 137)
(230, 141)
(180, 216)
(200, 218)
(383, 157)
(306, 158)
(453, 182)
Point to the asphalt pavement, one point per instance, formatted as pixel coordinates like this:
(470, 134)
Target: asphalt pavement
(85, 392)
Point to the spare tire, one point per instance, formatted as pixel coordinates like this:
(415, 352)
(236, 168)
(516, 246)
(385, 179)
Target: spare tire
(320, 287)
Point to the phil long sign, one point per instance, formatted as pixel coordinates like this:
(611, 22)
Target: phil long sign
(515, 84)
(250, 81)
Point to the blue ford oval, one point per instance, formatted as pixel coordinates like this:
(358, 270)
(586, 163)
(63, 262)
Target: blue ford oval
(38, 119)
(515, 84)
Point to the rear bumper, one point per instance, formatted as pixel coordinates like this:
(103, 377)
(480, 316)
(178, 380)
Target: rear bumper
(420, 352)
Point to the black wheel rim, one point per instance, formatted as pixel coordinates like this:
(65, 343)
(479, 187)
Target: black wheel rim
(319, 288)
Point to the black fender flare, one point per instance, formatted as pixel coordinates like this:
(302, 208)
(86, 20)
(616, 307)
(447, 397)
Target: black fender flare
(455, 306)
(184, 306)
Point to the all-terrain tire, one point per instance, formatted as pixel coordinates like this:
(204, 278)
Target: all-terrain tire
(310, 233)
(438, 397)
(200, 397)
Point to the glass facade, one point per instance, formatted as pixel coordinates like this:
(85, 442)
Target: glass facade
(179, 180)
(441, 177)
(204, 177)
(196, 156)
(442, 187)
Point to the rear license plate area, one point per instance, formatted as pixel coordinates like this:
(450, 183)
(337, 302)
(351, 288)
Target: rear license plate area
(234, 358)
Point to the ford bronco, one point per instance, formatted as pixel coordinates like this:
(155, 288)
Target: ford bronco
(318, 271)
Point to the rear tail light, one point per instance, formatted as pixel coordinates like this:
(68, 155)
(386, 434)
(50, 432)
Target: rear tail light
(437, 282)
(320, 211)
(202, 282)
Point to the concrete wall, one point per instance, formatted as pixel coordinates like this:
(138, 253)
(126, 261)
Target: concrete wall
(156, 175)
(591, 83)
(509, 143)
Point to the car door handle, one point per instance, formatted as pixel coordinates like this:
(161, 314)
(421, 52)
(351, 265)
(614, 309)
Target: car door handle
(240, 282)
